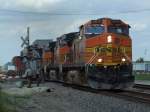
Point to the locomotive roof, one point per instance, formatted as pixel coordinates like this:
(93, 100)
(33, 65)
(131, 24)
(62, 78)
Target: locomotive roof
(68, 36)
(41, 42)
(100, 21)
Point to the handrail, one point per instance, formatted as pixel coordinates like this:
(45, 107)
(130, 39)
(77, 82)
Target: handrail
(92, 58)
(128, 58)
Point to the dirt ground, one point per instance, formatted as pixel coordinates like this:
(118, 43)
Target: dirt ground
(53, 97)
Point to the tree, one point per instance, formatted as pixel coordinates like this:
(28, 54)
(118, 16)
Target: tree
(140, 60)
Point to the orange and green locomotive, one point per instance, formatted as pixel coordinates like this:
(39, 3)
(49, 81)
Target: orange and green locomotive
(99, 56)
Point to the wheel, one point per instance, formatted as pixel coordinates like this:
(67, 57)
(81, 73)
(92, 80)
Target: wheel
(74, 77)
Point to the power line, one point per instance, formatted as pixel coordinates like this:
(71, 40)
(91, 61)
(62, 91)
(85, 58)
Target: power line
(71, 12)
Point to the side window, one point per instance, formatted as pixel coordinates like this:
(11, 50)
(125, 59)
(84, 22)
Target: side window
(118, 29)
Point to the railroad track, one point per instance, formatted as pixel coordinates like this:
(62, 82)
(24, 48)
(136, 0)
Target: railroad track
(129, 95)
(136, 96)
(142, 86)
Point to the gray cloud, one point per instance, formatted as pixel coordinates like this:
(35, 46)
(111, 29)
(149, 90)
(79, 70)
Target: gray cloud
(29, 5)
(45, 22)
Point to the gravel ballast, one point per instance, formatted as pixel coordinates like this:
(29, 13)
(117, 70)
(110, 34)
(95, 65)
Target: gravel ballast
(66, 99)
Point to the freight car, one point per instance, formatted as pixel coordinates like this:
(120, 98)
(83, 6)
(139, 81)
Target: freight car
(98, 56)
(19, 65)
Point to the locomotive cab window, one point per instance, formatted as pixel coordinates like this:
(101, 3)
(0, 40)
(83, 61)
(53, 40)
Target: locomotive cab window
(94, 29)
(119, 29)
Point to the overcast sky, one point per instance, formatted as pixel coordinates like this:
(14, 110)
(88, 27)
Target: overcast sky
(49, 19)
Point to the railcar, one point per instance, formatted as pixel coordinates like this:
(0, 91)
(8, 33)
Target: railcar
(99, 56)
(19, 65)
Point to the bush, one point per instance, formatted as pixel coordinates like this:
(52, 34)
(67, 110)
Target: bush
(1, 103)
(142, 76)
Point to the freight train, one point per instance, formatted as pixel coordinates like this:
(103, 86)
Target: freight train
(98, 56)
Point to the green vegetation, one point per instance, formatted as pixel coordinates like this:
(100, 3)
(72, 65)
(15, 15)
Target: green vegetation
(9, 103)
(142, 77)
(6, 104)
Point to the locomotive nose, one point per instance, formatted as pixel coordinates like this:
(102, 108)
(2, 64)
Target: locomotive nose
(113, 49)
(118, 49)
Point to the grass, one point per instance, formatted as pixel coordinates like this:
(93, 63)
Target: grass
(9, 103)
(6, 104)
(142, 77)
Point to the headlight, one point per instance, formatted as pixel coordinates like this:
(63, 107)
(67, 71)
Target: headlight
(99, 60)
(80, 37)
(109, 39)
(123, 59)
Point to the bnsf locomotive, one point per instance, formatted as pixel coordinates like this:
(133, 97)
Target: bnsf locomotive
(98, 56)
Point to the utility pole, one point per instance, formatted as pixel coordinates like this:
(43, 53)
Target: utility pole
(145, 54)
(28, 35)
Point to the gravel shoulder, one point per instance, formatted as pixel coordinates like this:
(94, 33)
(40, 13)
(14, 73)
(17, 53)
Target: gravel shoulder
(66, 99)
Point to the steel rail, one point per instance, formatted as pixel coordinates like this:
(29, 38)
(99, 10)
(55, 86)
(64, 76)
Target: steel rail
(129, 95)
(142, 86)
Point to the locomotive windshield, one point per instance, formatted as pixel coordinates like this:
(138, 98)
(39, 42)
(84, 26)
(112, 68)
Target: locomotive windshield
(94, 29)
(118, 29)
